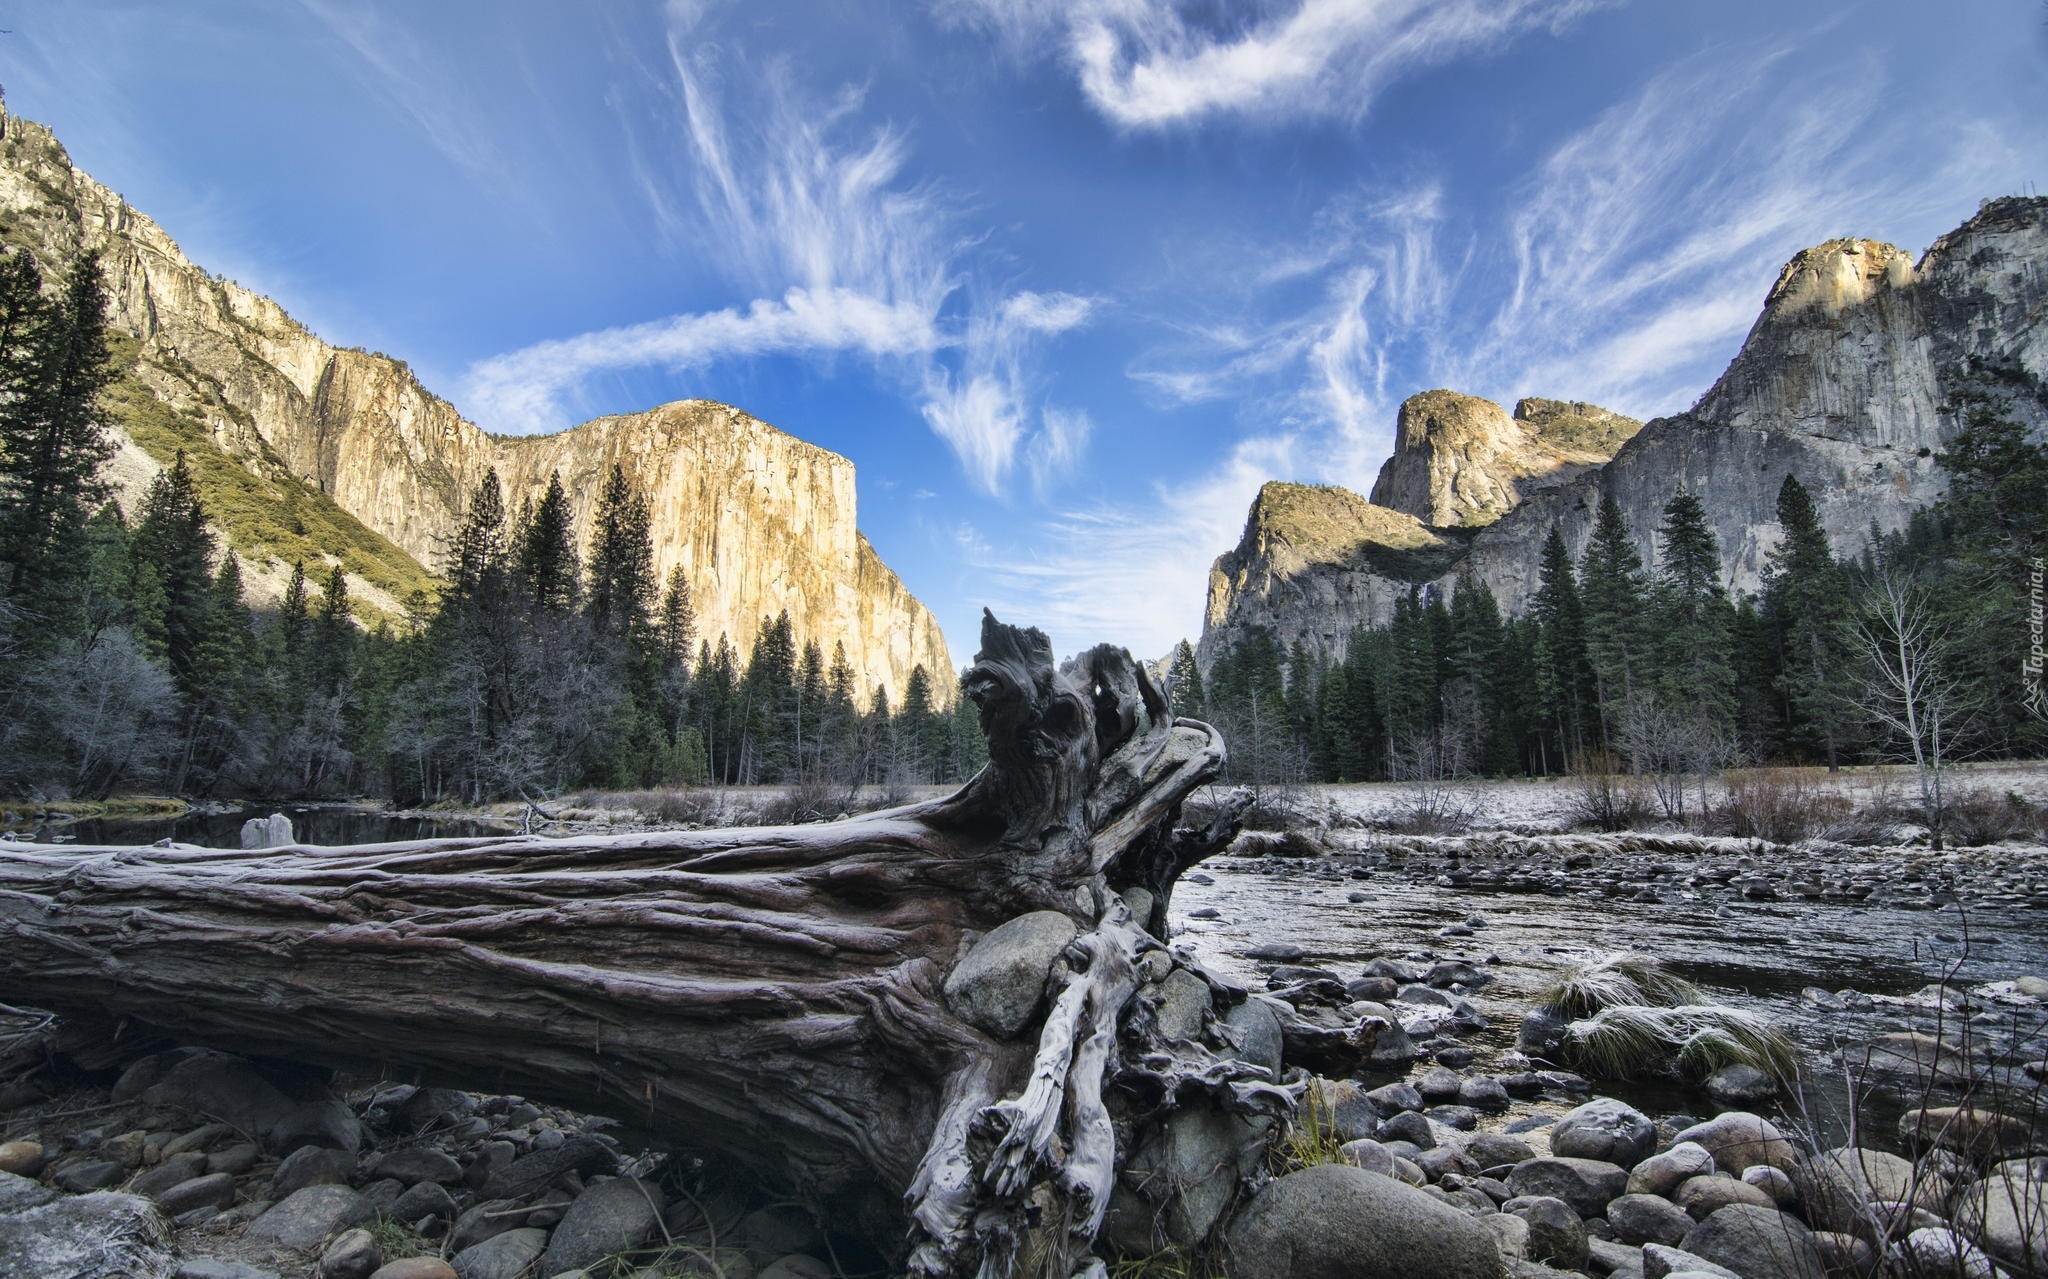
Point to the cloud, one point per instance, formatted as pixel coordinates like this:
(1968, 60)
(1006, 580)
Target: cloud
(1154, 63)
(816, 219)
(1130, 571)
(416, 84)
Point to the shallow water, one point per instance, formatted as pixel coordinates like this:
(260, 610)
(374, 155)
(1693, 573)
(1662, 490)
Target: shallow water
(312, 824)
(1756, 955)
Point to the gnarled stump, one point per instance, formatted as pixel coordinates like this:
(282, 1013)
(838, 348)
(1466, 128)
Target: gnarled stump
(775, 994)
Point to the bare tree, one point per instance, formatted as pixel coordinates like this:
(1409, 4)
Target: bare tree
(1910, 689)
(1675, 748)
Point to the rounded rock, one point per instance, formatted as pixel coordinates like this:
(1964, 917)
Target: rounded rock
(352, 1254)
(1588, 1185)
(1739, 1140)
(1641, 1219)
(1661, 1173)
(1753, 1240)
(1334, 1222)
(999, 984)
(1605, 1129)
(416, 1268)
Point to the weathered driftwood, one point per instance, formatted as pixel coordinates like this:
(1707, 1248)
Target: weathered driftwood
(775, 994)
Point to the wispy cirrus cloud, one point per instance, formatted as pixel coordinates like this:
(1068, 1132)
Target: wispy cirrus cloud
(1156, 63)
(1624, 268)
(843, 254)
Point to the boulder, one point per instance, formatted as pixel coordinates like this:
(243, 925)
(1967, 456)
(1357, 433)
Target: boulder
(1705, 1196)
(1739, 1140)
(1937, 1250)
(427, 1199)
(94, 1236)
(1839, 1186)
(2008, 1216)
(214, 1190)
(507, 1256)
(1662, 1172)
(1257, 1028)
(801, 1266)
(1974, 1131)
(311, 1166)
(305, 1219)
(1335, 1222)
(169, 1173)
(18, 1194)
(353, 1254)
(611, 1216)
(220, 1086)
(22, 1158)
(1660, 1262)
(419, 1163)
(1588, 1185)
(416, 1268)
(1740, 1085)
(1556, 1234)
(999, 984)
(274, 831)
(1757, 1241)
(215, 1268)
(1605, 1129)
(1176, 1184)
(327, 1122)
(1640, 1219)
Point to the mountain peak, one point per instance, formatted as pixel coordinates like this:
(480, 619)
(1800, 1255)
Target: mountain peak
(1463, 462)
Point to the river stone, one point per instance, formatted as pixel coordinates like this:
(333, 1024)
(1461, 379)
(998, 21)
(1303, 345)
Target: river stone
(1660, 1262)
(2008, 1216)
(1662, 1172)
(416, 1268)
(353, 1254)
(1705, 1196)
(1752, 1240)
(1741, 1085)
(419, 1163)
(169, 1173)
(801, 1266)
(1739, 1140)
(1556, 1233)
(1588, 1185)
(611, 1216)
(1334, 1222)
(1277, 953)
(1844, 1254)
(198, 1139)
(1510, 1233)
(327, 1122)
(305, 1218)
(1496, 1150)
(1621, 1261)
(24, 1158)
(18, 1194)
(1640, 1219)
(999, 984)
(95, 1236)
(1259, 1038)
(215, 1268)
(1606, 1129)
(1183, 1000)
(507, 1256)
(427, 1199)
(215, 1190)
(89, 1174)
(311, 1166)
(1176, 1184)
(1970, 1130)
(1369, 1155)
(1937, 1250)
(771, 1233)
(220, 1086)
(530, 1174)
(274, 831)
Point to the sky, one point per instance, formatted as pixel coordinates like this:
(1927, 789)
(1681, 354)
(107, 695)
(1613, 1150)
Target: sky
(1066, 279)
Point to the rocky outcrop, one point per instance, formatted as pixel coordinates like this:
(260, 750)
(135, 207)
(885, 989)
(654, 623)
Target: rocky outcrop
(1462, 462)
(1840, 382)
(306, 450)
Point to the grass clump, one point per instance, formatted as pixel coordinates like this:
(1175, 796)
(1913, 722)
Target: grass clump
(1628, 1040)
(1614, 980)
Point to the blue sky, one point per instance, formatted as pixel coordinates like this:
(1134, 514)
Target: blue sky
(1066, 279)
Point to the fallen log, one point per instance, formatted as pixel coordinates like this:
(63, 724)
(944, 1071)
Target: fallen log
(952, 1026)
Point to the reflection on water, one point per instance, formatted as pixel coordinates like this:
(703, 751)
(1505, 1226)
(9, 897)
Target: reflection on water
(318, 824)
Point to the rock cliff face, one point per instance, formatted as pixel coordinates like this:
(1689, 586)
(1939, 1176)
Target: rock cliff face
(1840, 382)
(293, 431)
(1462, 462)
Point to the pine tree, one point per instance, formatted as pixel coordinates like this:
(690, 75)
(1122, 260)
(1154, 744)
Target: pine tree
(548, 566)
(1807, 603)
(1693, 619)
(913, 729)
(1611, 586)
(678, 618)
(174, 543)
(479, 543)
(622, 590)
(334, 635)
(51, 443)
(1564, 676)
(1184, 684)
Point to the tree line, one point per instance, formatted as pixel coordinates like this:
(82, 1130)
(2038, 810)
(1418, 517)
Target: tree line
(1910, 648)
(131, 657)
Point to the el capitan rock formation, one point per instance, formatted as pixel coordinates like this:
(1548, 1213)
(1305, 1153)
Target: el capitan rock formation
(1840, 382)
(351, 442)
